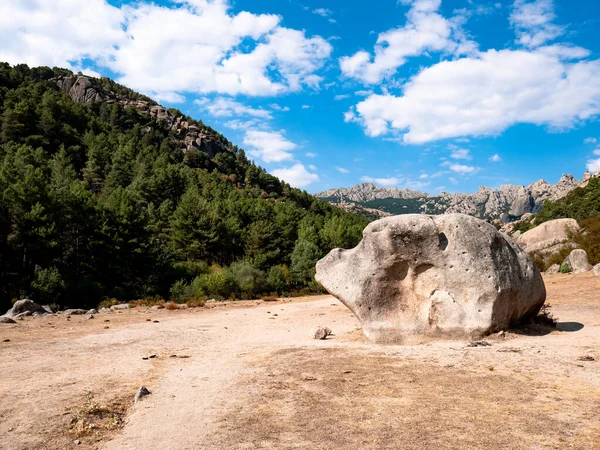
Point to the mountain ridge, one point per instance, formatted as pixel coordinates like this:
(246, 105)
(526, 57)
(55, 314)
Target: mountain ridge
(507, 203)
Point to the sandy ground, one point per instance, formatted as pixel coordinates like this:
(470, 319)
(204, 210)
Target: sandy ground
(249, 375)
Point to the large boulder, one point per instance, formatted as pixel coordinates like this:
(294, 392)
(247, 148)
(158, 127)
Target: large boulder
(578, 261)
(416, 276)
(597, 270)
(549, 237)
(21, 307)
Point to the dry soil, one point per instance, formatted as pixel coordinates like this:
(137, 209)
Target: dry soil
(248, 375)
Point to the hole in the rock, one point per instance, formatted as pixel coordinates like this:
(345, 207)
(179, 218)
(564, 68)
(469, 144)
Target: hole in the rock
(443, 241)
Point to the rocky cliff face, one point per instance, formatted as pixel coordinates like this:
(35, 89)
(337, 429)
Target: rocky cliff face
(87, 90)
(507, 203)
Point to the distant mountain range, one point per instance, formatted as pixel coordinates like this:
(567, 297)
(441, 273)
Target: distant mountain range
(507, 203)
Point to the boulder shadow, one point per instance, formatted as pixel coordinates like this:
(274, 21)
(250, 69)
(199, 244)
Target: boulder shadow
(569, 327)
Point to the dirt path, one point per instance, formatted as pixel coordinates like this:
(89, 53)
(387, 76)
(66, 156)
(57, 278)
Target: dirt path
(251, 377)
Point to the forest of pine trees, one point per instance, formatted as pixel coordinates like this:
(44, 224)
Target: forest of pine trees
(100, 202)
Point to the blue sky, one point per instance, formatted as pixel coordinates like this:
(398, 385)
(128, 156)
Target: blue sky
(427, 94)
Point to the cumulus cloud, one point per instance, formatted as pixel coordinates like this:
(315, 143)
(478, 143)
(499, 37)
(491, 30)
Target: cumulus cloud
(484, 95)
(532, 21)
(270, 146)
(425, 30)
(597, 152)
(193, 46)
(590, 140)
(460, 168)
(460, 153)
(228, 107)
(382, 181)
(297, 175)
(495, 158)
(593, 165)
(341, 97)
(311, 155)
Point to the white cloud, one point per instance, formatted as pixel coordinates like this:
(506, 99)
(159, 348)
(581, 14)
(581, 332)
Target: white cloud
(323, 12)
(484, 95)
(593, 165)
(590, 140)
(460, 153)
(424, 176)
(270, 146)
(197, 46)
(342, 170)
(311, 155)
(227, 107)
(280, 108)
(461, 168)
(305, 106)
(532, 21)
(312, 167)
(597, 152)
(297, 175)
(495, 158)
(382, 181)
(425, 30)
(453, 180)
(341, 97)
(237, 124)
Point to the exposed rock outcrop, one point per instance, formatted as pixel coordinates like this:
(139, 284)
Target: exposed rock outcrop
(25, 307)
(549, 237)
(507, 203)
(86, 90)
(433, 276)
(597, 270)
(578, 261)
(553, 269)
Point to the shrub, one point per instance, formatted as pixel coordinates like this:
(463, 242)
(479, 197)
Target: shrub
(589, 238)
(48, 285)
(171, 306)
(278, 278)
(195, 303)
(218, 282)
(304, 258)
(250, 281)
(108, 302)
(565, 268)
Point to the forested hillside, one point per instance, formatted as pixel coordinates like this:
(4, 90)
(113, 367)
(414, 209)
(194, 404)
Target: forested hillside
(102, 200)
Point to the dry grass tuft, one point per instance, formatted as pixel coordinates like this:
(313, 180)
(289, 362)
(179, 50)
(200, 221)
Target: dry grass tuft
(95, 419)
(195, 303)
(171, 306)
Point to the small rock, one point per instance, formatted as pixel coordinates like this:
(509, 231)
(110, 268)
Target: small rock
(142, 392)
(6, 340)
(4, 319)
(479, 344)
(121, 306)
(578, 260)
(93, 311)
(76, 312)
(501, 333)
(77, 442)
(155, 321)
(553, 269)
(321, 333)
(158, 307)
(148, 320)
(106, 328)
(106, 310)
(586, 358)
(597, 270)
(91, 316)
(106, 320)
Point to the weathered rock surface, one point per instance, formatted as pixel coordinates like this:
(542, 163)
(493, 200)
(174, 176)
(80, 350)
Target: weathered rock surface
(597, 270)
(7, 320)
(578, 261)
(141, 393)
(549, 237)
(553, 269)
(433, 276)
(25, 307)
(121, 306)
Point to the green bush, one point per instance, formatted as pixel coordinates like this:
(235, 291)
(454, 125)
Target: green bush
(249, 280)
(278, 278)
(48, 285)
(304, 258)
(218, 282)
(565, 268)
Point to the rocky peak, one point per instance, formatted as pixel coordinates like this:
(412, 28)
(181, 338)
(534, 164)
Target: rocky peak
(86, 90)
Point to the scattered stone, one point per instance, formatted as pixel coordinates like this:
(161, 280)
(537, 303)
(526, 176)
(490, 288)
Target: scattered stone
(77, 442)
(597, 270)
(321, 333)
(106, 310)
(6, 340)
(148, 320)
(142, 392)
(479, 344)
(180, 356)
(509, 350)
(158, 307)
(93, 311)
(553, 269)
(91, 316)
(451, 276)
(106, 320)
(24, 306)
(76, 312)
(4, 319)
(23, 315)
(106, 328)
(578, 261)
(155, 321)
(120, 307)
(586, 358)
(501, 334)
